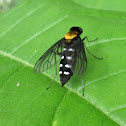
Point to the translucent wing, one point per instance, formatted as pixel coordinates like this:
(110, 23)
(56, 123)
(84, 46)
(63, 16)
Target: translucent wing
(79, 65)
(50, 57)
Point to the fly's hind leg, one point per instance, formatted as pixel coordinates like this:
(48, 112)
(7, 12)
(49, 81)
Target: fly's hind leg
(91, 54)
(56, 71)
(87, 49)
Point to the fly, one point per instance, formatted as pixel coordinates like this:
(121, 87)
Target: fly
(70, 51)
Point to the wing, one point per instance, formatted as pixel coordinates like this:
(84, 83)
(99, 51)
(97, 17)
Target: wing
(50, 57)
(79, 65)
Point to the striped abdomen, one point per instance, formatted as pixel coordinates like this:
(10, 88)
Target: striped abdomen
(65, 71)
(65, 65)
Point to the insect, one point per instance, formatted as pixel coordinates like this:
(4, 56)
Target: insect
(70, 51)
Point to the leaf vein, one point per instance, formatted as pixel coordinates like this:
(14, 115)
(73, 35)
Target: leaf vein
(12, 10)
(20, 20)
(104, 77)
(117, 108)
(107, 40)
(69, 89)
(58, 106)
(37, 34)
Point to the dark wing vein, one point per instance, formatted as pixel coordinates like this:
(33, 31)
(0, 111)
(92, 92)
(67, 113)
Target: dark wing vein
(47, 60)
(80, 64)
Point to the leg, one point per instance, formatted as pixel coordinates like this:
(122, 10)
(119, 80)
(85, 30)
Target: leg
(55, 76)
(86, 47)
(90, 53)
(88, 40)
(82, 86)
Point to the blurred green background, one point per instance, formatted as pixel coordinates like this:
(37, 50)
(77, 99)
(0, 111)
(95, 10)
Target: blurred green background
(27, 29)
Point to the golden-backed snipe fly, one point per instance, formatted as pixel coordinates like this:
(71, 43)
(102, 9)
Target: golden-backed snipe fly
(71, 53)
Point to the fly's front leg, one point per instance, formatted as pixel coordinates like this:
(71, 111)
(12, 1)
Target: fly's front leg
(88, 40)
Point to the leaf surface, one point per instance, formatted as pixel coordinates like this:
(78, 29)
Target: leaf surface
(27, 31)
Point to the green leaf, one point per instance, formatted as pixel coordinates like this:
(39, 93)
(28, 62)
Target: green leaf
(115, 5)
(27, 31)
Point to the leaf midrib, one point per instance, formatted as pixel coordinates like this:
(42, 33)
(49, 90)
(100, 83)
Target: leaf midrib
(69, 89)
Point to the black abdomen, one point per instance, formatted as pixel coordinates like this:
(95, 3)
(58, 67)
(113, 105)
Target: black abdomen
(65, 71)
